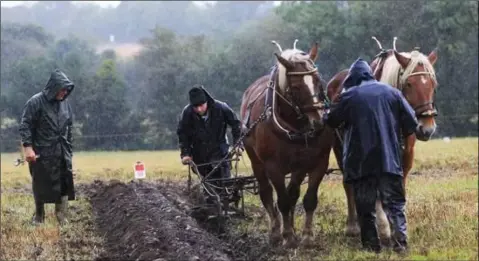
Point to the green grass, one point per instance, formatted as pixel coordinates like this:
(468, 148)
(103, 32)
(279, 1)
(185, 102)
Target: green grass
(442, 206)
(22, 241)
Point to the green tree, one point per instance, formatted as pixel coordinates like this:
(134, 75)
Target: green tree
(106, 110)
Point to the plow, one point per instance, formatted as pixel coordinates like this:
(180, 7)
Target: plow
(220, 198)
(223, 198)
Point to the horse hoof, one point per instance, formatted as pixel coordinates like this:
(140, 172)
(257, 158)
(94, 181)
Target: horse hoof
(352, 232)
(385, 241)
(307, 241)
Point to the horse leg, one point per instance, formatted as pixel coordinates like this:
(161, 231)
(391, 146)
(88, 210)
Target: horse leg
(284, 204)
(266, 196)
(408, 156)
(352, 224)
(310, 199)
(294, 189)
(382, 222)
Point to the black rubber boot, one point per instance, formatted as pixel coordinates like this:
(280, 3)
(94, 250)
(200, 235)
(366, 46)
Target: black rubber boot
(39, 215)
(400, 245)
(61, 210)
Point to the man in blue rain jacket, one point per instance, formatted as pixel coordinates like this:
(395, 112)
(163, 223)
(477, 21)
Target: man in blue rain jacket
(374, 116)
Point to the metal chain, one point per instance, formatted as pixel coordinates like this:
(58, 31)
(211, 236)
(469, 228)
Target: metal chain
(261, 118)
(240, 139)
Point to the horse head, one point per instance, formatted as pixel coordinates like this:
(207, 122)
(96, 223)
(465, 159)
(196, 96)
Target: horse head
(413, 73)
(299, 83)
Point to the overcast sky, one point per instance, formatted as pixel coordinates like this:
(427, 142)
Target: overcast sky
(100, 3)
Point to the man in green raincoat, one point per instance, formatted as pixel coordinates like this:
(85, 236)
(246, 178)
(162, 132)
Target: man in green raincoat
(46, 135)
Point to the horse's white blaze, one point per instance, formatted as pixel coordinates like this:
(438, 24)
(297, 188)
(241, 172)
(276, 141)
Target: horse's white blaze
(308, 80)
(423, 79)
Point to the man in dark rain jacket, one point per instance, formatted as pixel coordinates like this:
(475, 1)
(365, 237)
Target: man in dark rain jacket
(202, 132)
(46, 134)
(375, 115)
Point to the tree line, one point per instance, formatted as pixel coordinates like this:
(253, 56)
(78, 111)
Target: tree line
(135, 103)
(130, 21)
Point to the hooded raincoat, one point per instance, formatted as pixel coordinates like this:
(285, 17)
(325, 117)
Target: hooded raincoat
(374, 116)
(46, 125)
(204, 138)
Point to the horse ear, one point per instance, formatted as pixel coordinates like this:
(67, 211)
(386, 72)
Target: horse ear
(403, 61)
(284, 62)
(432, 57)
(313, 53)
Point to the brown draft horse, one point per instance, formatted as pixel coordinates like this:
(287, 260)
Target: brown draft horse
(283, 113)
(412, 73)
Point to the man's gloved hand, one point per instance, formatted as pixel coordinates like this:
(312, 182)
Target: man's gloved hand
(239, 151)
(186, 160)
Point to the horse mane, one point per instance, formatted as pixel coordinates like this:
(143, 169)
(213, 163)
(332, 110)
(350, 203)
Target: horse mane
(392, 70)
(295, 56)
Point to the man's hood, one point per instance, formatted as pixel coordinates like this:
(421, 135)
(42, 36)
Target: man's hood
(358, 72)
(210, 98)
(57, 81)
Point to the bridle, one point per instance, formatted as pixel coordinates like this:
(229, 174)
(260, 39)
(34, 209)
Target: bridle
(300, 111)
(321, 103)
(402, 82)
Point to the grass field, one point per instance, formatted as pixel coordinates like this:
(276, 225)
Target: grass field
(442, 206)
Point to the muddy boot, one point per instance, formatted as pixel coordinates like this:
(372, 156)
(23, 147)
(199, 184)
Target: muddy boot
(400, 245)
(61, 211)
(39, 215)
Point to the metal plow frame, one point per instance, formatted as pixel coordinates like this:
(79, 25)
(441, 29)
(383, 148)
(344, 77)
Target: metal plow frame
(223, 191)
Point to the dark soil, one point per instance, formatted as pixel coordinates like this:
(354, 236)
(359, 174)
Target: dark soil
(152, 221)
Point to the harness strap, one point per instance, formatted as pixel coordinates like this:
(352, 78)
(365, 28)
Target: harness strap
(268, 101)
(303, 73)
(380, 64)
(271, 102)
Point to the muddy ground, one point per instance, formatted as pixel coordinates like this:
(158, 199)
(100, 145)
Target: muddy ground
(152, 221)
